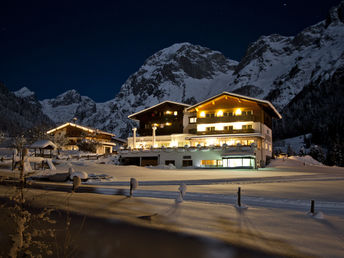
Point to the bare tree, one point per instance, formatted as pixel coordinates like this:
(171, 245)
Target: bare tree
(60, 140)
(19, 142)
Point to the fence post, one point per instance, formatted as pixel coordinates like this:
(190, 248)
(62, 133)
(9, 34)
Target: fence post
(312, 206)
(239, 197)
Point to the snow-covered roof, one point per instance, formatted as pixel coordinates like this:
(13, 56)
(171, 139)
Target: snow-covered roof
(166, 101)
(84, 128)
(43, 144)
(119, 140)
(268, 103)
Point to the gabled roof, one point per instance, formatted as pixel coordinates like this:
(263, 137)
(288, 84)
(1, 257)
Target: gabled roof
(84, 128)
(166, 101)
(265, 102)
(43, 144)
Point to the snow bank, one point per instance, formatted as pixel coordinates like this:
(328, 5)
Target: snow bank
(81, 174)
(100, 178)
(169, 166)
(308, 160)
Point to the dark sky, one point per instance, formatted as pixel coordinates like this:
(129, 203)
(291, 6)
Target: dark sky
(93, 46)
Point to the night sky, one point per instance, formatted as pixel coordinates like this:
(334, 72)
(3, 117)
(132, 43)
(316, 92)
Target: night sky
(94, 46)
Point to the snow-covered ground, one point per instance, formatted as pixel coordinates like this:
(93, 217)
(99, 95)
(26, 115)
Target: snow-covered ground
(278, 199)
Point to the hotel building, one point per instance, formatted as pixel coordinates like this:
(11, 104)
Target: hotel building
(226, 131)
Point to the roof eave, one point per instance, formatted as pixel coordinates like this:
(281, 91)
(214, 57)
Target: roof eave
(165, 101)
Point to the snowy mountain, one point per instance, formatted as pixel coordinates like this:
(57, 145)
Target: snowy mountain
(22, 113)
(67, 106)
(24, 93)
(275, 67)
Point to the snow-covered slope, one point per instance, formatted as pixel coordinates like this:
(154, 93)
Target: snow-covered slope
(67, 106)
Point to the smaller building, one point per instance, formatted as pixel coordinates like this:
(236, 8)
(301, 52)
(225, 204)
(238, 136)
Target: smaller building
(70, 136)
(43, 148)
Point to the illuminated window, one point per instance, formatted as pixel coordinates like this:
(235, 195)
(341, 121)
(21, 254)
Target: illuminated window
(238, 112)
(211, 163)
(193, 120)
(168, 124)
(219, 113)
(202, 114)
(244, 142)
(175, 113)
(168, 112)
(249, 142)
(231, 142)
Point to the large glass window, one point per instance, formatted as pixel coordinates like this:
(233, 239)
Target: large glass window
(238, 162)
(246, 162)
(235, 163)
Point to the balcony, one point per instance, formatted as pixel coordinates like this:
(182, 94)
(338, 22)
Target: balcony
(225, 119)
(234, 131)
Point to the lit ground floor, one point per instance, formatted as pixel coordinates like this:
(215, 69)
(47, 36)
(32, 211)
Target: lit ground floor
(202, 157)
(199, 151)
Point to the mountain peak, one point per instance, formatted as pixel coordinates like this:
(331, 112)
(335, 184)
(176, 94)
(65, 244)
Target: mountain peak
(24, 92)
(335, 15)
(69, 97)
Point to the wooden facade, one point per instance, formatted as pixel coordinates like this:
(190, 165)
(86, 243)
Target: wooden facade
(167, 117)
(74, 134)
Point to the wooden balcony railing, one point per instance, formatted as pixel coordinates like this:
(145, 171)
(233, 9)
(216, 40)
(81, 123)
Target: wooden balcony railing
(234, 131)
(209, 120)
